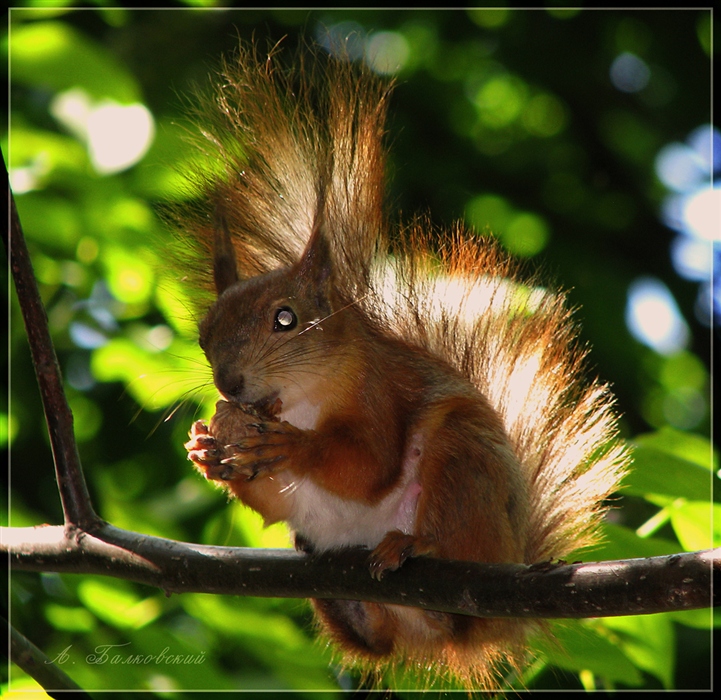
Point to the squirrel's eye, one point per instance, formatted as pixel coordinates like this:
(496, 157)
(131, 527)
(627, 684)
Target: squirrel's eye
(285, 319)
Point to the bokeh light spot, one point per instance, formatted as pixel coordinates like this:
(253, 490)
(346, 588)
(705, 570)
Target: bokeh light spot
(501, 100)
(680, 167)
(344, 40)
(387, 52)
(692, 258)
(491, 18)
(117, 136)
(702, 213)
(653, 318)
(629, 73)
(526, 235)
(488, 211)
(544, 115)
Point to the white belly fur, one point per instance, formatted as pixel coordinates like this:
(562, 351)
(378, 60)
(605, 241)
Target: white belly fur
(328, 521)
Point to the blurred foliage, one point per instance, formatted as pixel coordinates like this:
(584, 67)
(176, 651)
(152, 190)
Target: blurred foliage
(505, 118)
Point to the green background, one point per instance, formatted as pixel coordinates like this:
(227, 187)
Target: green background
(506, 119)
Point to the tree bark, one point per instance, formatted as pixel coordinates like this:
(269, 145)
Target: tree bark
(626, 587)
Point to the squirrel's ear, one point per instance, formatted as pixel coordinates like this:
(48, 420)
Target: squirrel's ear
(225, 267)
(316, 265)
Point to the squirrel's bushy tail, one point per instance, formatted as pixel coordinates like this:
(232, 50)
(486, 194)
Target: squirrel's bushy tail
(284, 143)
(516, 342)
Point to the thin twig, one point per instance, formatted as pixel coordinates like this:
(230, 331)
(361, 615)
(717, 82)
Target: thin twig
(77, 507)
(40, 667)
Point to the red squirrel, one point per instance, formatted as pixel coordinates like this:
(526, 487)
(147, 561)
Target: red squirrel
(381, 385)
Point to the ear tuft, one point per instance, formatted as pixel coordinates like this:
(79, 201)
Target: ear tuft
(225, 267)
(315, 267)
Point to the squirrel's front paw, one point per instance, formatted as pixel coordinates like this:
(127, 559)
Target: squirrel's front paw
(205, 452)
(263, 451)
(239, 442)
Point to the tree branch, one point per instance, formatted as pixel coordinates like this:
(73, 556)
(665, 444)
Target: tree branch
(77, 507)
(38, 666)
(628, 587)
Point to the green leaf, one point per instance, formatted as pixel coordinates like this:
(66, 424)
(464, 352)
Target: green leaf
(130, 278)
(44, 154)
(256, 534)
(54, 55)
(178, 304)
(271, 638)
(704, 619)
(155, 380)
(583, 648)
(72, 619)
(659, 472)
(242, 618)
(87, 416)
(649, 641)
(623, 543)
(113, 602)
(163, 175)
(176, 658)
(688, 446)
(697, 524)
(52, 220)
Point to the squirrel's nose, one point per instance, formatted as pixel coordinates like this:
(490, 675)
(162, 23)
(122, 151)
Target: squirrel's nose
(230, 385)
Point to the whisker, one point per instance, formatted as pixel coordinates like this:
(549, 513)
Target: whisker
(313, 324)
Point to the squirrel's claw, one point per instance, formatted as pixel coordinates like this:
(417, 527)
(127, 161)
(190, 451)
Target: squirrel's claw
(201, 444)
(394, 549)
(205, 453)
(257, 454)
(239, 465)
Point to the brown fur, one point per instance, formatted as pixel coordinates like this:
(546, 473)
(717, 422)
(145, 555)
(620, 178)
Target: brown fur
(398, 358)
